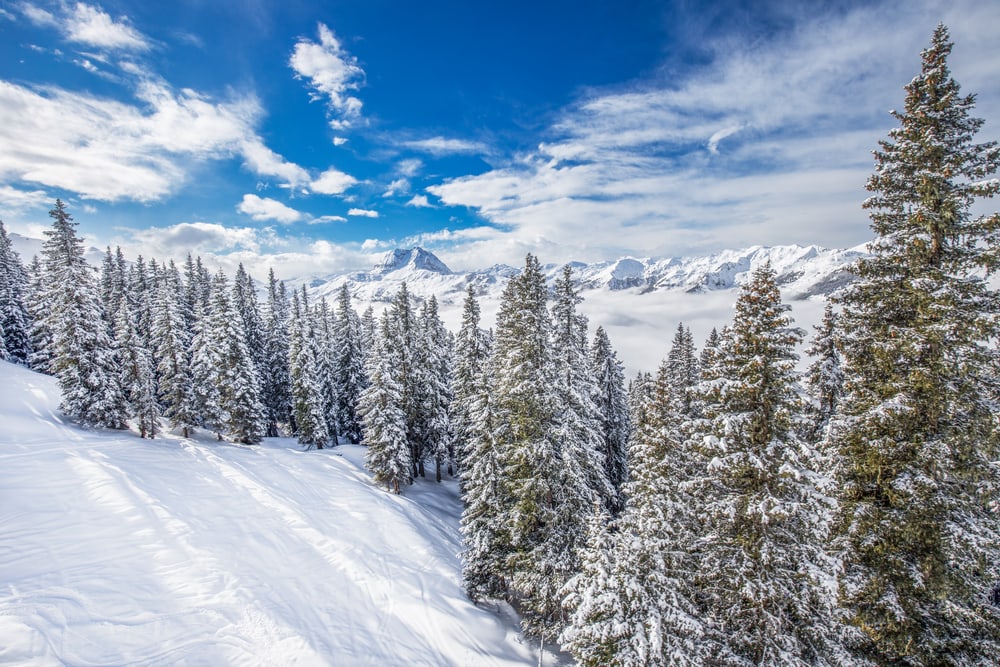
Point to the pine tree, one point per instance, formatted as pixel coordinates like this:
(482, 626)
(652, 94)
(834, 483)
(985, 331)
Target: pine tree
(612, 410)
(349, 367)
(14, 318)
(173, 358)
(825, 377)
(304, 369)
(529, 454)
(206, 366)
(237, 378)
(484, 494)
(276, 391)
(383, 418)
(433, 391)
(471, 357)
(82, 350)
(401, 340)
(137, 377)
(761, 557)
(917, 435)
(38, 307)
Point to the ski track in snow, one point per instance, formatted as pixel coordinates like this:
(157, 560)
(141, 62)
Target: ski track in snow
(116, 550)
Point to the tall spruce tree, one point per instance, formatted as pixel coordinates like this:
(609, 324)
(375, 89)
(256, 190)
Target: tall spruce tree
(472, 352)
(173, 358)
(14, 318)
(383, 417)
(761, 558)
(349, 367)
(137, 376)
(917, 432)
(276, 391)
(433, 399)
(82, 349)
(306, 389)
(612, 410)
(825, 375)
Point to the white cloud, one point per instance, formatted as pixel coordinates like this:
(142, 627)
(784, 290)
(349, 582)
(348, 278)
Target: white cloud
(39, 16)
(108, 150)
(409, 167)
(332, 182)
(419, 201)
(85, 64)
(90, 25)
(263, 208)
(176, 241)
(332, 73)
(15, 199)
(325, 219)
(439, 146)
(363, 213)
(339, 141)
(400, 186)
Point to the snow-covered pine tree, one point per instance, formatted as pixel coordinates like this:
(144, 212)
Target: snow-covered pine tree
(578, 426)
(524, 414)
(487, 540)
(400, 339)
(237, 377)
(275, 372)
(306, 388)
(206, 365)
(82, 352)
(599, 630)
(349, 366)
(14, 318)
(761, 557)
(917, 431)
(433, 410)
(682, 369)
(824, 377)
(472, 352)
(173, 357)
(369, 332)
(40, 335)
(137, 378)
(113, 280)
(324, 324)
(707, 360)
(383, 418)
(640, 391)
(612, 410)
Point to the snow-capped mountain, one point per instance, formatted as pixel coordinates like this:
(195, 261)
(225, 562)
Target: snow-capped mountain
(803, 272)
(639, 301)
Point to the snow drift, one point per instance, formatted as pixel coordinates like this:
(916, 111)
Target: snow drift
(117, 550)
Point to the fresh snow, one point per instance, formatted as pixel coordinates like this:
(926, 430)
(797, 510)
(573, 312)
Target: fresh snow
(116, 550)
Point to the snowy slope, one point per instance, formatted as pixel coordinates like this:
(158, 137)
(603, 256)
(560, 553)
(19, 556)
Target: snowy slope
(116, 550)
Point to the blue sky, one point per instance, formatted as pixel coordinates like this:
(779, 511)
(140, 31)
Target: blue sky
(312, 137)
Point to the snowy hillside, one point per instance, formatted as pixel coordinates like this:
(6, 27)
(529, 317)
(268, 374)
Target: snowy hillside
(116, 550)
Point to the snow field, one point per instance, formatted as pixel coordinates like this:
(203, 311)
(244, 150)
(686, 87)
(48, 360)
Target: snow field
(116, 550)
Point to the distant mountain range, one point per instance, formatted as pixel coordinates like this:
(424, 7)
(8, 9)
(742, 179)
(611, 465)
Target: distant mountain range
(803, 272)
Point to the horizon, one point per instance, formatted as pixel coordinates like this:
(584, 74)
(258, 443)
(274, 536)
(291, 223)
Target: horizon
(322, 138)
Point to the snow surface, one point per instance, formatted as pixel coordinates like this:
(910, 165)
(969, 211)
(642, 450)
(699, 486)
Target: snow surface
(116, 550)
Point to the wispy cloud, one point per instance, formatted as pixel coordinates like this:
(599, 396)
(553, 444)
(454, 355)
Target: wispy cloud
(178, 240)
(438, 146)
(362, 213)
(327, 219)
(332, 73)
(264, 208)
(89, 25)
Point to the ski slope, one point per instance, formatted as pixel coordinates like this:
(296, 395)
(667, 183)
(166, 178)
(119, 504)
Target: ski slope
(116, 550)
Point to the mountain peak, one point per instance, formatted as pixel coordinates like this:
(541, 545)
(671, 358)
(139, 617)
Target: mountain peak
(412, 259)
